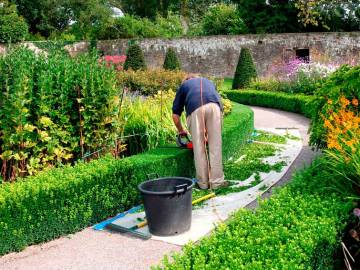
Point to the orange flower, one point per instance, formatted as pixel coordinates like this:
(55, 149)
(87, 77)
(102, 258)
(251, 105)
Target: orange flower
(329, 101)
(344, 101)
(355, 102)
(327, 124)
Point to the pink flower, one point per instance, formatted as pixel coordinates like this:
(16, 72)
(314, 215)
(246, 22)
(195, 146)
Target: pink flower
(356, 212)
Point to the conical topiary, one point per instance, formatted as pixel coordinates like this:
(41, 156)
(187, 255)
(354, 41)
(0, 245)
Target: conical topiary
(245, 70)
(134, 58)
(171, 60)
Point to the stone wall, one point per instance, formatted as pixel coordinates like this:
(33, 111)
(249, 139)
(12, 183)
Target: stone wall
(218, 55)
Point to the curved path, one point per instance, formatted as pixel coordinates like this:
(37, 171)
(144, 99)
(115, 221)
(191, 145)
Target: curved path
(88, 250)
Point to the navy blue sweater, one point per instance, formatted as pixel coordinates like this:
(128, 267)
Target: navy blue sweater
(188, 96)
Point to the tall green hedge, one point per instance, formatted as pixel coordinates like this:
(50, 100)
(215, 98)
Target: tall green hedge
(245, 70)
(134, 58)
(296, 103)
(298, 228)
(54, 109)
(65, 200)
(171, 61)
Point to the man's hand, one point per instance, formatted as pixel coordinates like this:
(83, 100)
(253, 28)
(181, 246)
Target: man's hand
(177, 122)
(183, 134)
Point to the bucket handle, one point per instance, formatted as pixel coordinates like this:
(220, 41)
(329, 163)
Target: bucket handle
(181, 188)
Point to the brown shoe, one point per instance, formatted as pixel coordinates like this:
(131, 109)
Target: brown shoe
(201, 186)
(221, 185)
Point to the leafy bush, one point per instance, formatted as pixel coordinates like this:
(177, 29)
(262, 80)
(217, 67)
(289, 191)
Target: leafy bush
(169, 27)
(149, 82)
(302, 85)
(343, 141)
(222, 19)
(65, 200)
(344, 82)
(13, 27)
(53, 110)
(285, 232)
(133, 27)
(245, 70)
(171, 61)
(148, 121)
(288, 102)
(134, 58)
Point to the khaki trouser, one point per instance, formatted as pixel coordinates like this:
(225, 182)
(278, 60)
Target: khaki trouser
(208, 174)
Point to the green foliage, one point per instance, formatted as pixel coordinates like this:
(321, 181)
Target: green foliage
(130, 26)
(285, 232)
(171, 61)
(261, 16)
(344, 82)
(287, 102)
(53, 110)
(65, 200)
(148, 123)
(149, 8)
(237, 131)
(46, 17)
(302, 85)
(134, 58)
(245, 70)
(13, 27)
(222, 19)
(149, 82)
(251, 163)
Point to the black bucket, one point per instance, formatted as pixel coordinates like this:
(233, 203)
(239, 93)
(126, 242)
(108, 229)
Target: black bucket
(167, 203)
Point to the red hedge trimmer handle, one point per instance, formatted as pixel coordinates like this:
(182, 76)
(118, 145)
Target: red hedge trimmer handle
(183, 141)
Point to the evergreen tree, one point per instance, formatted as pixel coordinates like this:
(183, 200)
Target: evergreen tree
(171, 60)
(245, 70)
(134, 58)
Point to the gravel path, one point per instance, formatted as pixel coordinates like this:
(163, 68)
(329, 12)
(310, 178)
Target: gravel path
(90, 250)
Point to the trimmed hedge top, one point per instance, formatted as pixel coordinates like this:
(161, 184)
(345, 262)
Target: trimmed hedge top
(296, 103)
(65, 200)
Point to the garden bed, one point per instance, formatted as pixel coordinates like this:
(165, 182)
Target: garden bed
(65, 200)
(298, 228)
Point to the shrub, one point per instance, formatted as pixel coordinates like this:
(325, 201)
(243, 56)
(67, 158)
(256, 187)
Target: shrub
(245, 70)
(65, 200)
(171, 60)
(53, 110)
(169, 27)
(222, 19)
(134, 58)
(130, 26)
(288, 102)
(302, 85)
(343, 141)
(344, 82)
(285, 232)
(13, 27)
(149, 82)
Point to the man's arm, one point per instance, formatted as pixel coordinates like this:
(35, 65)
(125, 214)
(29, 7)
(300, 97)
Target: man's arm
(177, 122)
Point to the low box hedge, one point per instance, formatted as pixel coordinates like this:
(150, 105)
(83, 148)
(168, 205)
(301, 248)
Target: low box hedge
(296, 103)
(65, 200)
(298, 228)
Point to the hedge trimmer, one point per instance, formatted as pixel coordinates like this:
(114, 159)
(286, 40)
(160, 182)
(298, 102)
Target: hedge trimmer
(183, 141)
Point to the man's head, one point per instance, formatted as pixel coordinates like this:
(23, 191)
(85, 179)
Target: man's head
(190, 76)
